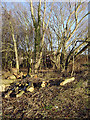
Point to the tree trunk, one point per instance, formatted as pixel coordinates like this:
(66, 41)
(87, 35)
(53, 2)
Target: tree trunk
(16, 53)
(39, 40)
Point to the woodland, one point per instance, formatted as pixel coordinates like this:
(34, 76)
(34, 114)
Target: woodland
(45, 61)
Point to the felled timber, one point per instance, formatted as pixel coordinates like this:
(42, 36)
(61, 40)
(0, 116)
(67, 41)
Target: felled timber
(30, 89)
(67, 80)
(17, 89)
(20, 93)
(2, 87)
(8, 94)
(43, 84)
(13, 77)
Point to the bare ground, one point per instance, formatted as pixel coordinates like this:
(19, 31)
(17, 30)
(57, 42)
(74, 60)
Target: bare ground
(51, 102)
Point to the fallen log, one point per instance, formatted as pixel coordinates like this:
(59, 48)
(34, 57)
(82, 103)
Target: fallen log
(30, 89)
(20, 94)
(67, 80)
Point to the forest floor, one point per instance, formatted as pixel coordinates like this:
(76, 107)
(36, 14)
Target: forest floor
(51, 102)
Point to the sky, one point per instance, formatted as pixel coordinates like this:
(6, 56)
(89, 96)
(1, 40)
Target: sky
(46, 0)
(10, 6)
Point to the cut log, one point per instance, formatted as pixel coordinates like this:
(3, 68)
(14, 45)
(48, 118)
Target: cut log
(7, 95)
(31, 89)
(20, 94)
(43, 84)
(2, 87)
(21, 74)
(18, 77)
(67, 80)
(11, 77)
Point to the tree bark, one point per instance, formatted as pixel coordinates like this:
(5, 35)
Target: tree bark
(15, 47)
(38, 54)
(16, 53)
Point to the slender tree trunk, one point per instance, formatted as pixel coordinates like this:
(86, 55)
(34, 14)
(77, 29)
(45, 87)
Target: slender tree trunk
(73, 67)
(16, 53)
(15, 47)
(37, 26)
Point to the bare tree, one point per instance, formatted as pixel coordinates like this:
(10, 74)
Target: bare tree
(69, 30)
(10, 22)
(39, 40)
